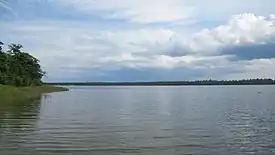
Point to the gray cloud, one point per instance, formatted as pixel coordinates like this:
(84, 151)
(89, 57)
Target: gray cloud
(250, 52)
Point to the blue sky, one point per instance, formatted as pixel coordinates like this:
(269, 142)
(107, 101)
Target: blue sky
(144, 40)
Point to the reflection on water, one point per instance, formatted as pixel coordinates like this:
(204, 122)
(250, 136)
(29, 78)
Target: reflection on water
(249, 130)
(143, 120)
(17, 121)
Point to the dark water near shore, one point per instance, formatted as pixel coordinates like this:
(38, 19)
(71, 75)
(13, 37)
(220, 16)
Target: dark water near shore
(222, 120)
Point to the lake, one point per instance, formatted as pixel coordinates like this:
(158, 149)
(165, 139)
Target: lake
(199, 120)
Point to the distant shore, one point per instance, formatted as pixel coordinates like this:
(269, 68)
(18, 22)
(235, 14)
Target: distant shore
(172, 83)
(9, 94)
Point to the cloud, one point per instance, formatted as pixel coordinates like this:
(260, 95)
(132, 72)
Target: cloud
(216, 10)
(250, 52)
(241, 29)
(4, 5)
(256, 68)
(142, 11)
(68, 50)
(166, 11)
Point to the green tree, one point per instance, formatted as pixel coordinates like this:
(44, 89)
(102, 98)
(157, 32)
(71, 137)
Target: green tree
(3, 65)
(19, 68)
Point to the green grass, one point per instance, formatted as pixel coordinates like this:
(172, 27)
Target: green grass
(9, 94)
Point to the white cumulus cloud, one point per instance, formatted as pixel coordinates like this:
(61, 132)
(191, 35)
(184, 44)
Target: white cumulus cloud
(64, 47)
(241, 29)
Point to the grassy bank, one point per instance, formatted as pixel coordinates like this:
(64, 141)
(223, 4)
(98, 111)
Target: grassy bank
(17, 94)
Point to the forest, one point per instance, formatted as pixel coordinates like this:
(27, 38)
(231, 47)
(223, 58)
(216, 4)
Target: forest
(19, 68)
(175, 83)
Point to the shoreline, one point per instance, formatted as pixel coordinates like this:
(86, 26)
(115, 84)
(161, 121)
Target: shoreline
(159, 84)
(114, 85)
(10, 94)
(171, 83)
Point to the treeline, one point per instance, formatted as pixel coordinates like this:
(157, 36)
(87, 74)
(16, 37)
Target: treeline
(175, 83)
(18, 68)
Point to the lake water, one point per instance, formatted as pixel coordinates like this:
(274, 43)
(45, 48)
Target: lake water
(200, 120)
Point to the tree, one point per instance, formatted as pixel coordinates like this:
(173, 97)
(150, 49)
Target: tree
(19, 68)
(1, 44)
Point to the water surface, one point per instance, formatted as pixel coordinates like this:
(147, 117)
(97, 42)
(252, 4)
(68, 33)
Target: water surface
(198, 120)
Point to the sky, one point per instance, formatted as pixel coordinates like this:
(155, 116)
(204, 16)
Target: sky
(144, 40)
